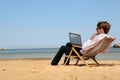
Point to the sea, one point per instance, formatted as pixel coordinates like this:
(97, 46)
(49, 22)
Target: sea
(49, 53)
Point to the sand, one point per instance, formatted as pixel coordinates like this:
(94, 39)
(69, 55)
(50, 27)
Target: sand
(36, 69)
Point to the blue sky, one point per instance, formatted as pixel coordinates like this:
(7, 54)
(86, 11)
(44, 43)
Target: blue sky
(46, 23)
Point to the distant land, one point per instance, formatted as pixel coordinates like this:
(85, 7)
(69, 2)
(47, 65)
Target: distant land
(1, 48)
(116, 45)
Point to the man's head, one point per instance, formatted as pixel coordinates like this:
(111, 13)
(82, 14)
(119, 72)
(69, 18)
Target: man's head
(104, 25)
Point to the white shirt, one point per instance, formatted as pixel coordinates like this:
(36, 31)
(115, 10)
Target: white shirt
(89, 43)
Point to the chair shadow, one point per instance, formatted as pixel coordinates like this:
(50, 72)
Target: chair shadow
(95, 65)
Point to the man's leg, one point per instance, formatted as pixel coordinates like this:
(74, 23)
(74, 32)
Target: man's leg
(61, 51)
(78, 50)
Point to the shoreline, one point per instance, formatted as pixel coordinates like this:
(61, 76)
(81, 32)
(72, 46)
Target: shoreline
(27, 59)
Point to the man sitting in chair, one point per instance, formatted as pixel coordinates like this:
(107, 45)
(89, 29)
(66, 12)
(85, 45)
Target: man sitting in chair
(102, 29)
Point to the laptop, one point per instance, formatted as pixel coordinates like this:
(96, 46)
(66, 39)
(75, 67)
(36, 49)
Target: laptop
(75, 39)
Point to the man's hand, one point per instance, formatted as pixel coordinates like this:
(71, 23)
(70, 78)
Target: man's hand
(93, 36)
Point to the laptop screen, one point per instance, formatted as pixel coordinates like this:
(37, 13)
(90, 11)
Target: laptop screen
(75, 39)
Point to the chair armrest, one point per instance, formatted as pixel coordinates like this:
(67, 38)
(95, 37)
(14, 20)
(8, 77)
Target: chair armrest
(77, 46)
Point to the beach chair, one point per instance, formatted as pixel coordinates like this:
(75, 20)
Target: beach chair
(99, 47)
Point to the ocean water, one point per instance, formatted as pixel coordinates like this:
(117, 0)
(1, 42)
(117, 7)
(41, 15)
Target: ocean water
(44, 53)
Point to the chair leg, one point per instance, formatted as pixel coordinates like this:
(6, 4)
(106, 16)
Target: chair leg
(95, 60)
(81, 57)
(77, 62)
(68, 57)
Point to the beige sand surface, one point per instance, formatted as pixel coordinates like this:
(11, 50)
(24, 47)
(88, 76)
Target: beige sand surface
(29, 69)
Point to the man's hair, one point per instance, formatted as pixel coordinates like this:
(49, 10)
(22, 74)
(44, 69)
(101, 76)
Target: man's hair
(105, 25)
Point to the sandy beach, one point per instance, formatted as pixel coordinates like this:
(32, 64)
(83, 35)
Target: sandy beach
(36, 69)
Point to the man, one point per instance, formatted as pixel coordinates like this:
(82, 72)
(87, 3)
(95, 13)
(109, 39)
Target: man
(102, 30)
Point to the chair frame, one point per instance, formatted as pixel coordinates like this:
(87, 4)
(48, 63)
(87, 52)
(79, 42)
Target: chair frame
(103, 49)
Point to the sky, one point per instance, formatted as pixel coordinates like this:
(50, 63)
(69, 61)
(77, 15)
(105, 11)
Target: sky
(46, 23)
